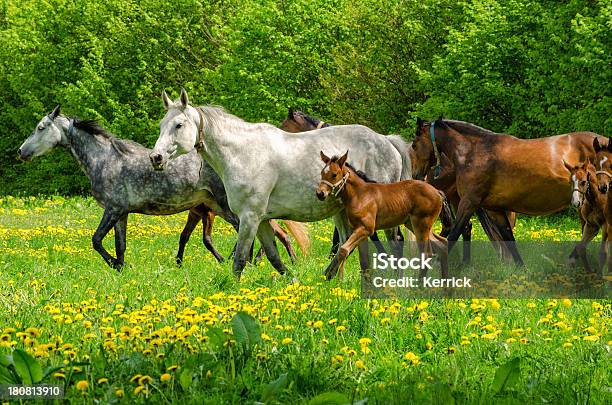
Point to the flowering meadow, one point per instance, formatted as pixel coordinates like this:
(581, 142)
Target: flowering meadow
(159, 333)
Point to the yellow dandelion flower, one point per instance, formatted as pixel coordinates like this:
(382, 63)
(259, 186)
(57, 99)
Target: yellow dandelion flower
(340, 328)
(265, 337)
(120, 393)
(365, 341)
(287, 341)
(102, 380)
(360, 365)
(523, 340)
(172, 367)
(139, 389)
(59, 375)
(567, 345)
(145, 379)
(136, 377)
(165, 377)
(332, 321)
(591, 338)
(318, 324)
(82, 385)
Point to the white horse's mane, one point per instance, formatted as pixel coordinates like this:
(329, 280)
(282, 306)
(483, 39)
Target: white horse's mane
(217, 118)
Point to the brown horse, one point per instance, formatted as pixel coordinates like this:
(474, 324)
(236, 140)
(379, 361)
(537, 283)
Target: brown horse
(502, 173)
(207, 216)
(591, 205)
(371, 206)
(297, 121)
(603, 161)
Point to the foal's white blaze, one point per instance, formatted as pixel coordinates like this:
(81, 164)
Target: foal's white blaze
(602, 161)
(575, 193)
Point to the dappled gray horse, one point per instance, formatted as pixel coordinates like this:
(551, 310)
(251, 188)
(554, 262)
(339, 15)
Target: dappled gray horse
(269, 173)
(123, 181)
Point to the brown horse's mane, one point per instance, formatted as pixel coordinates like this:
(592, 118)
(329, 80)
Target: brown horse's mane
(362, 175)
(465, 128)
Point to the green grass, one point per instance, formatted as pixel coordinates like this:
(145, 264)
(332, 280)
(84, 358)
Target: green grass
(153, 316)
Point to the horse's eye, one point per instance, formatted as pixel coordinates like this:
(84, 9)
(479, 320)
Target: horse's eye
(178, 126)
(414, 145)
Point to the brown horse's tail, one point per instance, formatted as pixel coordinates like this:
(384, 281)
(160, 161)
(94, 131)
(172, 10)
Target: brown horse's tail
(299, 231)
(446, 215)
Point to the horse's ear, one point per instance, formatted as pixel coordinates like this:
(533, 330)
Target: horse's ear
(184, 98)
(291, 112)
(55, 113)
(419, 122)
(568, 166)
(324, 158)
(166, 99)
(597, 145)
(609, 146)
(342, 159)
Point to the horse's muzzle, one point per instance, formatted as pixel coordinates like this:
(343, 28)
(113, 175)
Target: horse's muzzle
(23, 155)
(157, 160)
(321, 195)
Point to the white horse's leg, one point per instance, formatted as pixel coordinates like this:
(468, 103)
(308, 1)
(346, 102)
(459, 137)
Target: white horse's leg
(249, 223)
(267, 239)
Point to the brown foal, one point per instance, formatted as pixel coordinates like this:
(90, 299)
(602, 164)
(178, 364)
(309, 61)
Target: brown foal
(603, 162)
(591, 205)
(371, 206)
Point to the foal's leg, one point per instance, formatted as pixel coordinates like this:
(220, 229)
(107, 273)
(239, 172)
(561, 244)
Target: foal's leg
(265, 233)
(335, 243)
(440, 246)
(109, 218)
(207, 225)
(120, 240)
(192, 221)
(574, 255)
(589, 231)
(359, 233)
(284, 238)
(422, 230)
(603, 249)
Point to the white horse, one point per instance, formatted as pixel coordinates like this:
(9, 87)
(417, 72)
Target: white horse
(269, 173)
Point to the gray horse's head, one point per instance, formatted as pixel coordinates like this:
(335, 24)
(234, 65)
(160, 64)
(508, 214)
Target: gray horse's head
(47, 135)
(178, 131)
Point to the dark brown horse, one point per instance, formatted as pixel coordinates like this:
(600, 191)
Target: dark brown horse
(500, 172)
(444, 180)
(371, 206)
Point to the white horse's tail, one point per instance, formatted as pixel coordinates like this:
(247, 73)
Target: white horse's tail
(402, 147)
(299, 231)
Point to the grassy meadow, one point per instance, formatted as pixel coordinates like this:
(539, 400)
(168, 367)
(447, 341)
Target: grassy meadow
(156, 333)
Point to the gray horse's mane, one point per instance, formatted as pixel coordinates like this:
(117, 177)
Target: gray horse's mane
(92, 127)
(467, 128)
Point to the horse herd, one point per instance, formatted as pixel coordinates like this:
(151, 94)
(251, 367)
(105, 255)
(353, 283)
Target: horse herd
(210, 163)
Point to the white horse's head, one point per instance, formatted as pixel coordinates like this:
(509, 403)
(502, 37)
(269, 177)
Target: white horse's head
(47, 135)
(178, 131)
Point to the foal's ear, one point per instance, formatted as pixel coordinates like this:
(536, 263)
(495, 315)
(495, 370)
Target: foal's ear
(569, 167)
(342, 159)
(55, 113)
(166, 99)
(184, 98)
(324, 158)
(597, 146)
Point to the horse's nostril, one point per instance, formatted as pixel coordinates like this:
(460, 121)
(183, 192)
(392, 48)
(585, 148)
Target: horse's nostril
(157, 158)
(19, 152)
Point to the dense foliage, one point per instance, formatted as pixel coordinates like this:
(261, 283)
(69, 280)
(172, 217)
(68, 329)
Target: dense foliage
(531, 68)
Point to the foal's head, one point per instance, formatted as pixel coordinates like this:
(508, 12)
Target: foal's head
(583, 181)
(603, 162)
(45, 137)
(333, 176)
(297, 121)
(422, 155)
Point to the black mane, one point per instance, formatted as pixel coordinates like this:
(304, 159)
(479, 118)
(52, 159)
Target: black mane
(466, 128)
(314, 121)
(92, 127)
(362, 175)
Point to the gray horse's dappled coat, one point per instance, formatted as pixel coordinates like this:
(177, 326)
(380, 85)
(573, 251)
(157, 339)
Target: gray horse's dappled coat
(122, 179)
